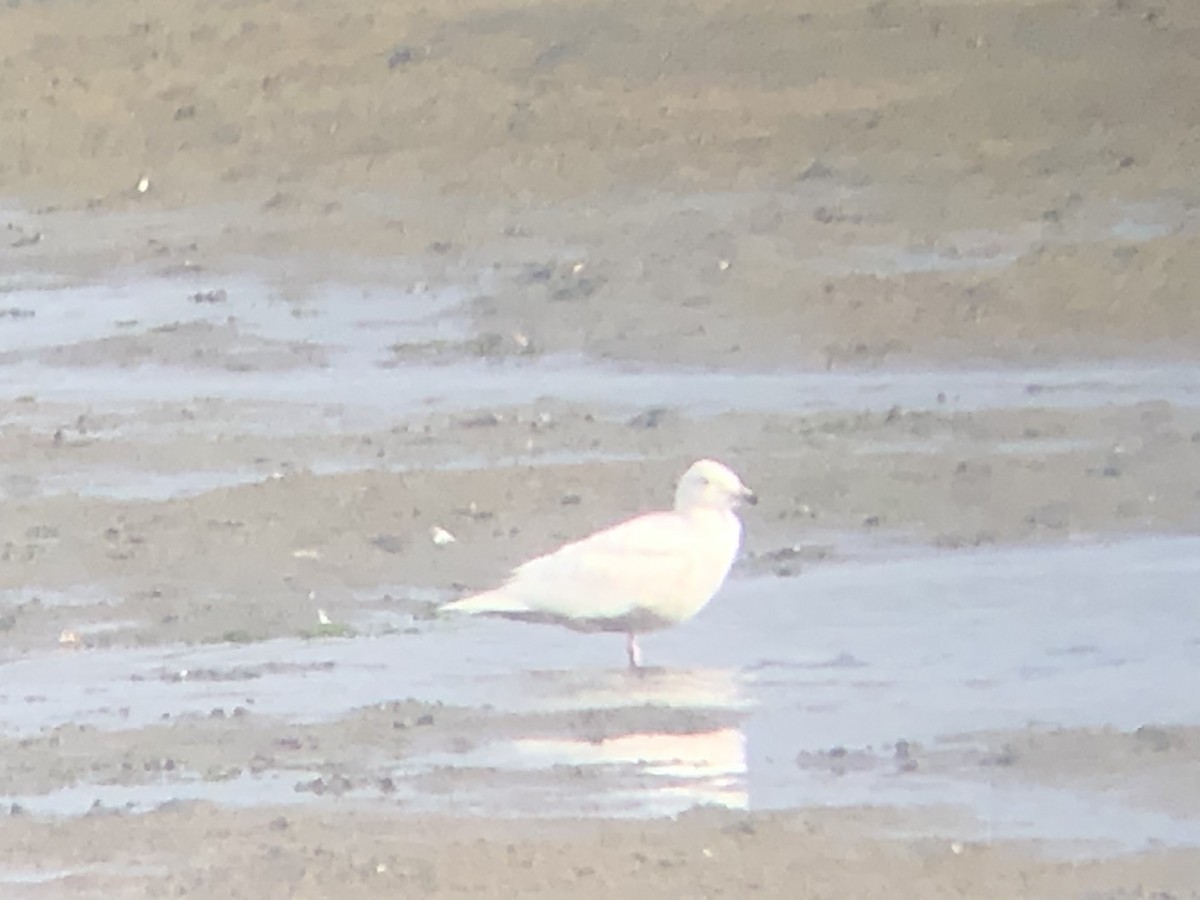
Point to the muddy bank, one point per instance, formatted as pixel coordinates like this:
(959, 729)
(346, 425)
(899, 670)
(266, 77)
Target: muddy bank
(1106, 760)
(85, 523)
(834, 185)
(291, 854)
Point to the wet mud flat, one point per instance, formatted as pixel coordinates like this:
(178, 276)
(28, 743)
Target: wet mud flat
(290, 854)
(959, 642)
(923, 275)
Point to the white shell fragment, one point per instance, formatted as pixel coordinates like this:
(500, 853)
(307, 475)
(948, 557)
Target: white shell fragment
(441, 537)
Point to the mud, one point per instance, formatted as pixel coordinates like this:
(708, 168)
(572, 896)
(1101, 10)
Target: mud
(287, 290)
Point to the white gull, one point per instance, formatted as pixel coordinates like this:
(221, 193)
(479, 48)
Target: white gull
(644, 574)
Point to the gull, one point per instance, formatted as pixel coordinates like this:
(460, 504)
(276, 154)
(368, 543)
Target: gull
(647, 573)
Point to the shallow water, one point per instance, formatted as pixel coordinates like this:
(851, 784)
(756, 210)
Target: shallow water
(352, 382)
(481, 384)
(856, 656)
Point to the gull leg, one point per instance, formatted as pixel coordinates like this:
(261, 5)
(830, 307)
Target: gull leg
(633, 651)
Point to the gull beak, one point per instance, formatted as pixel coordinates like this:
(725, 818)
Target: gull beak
(749, 496)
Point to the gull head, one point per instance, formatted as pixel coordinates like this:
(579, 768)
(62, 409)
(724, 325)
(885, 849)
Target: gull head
(710, 485)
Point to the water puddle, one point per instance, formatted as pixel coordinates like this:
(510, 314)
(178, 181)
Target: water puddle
(30, 877)
(794, 692)
(480, 384)
(347, 321)
(77, 596)
(325, 364)
(110, 482)
(264, 789)
(119, 484)
(332, 403)
(982, 249)
(954, 254)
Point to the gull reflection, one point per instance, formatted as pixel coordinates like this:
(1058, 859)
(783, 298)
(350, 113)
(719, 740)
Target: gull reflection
(584, 689)
(652, 773)
(615, 742)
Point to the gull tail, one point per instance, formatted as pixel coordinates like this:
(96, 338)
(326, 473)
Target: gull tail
(494, 602)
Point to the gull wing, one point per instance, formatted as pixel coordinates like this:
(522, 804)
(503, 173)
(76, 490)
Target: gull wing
(638, 571)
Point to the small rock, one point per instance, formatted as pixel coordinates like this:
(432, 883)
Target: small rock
(651, 418)
(440, 536)
(1159, 739)
(388, 543)
(401, 55)
(815, 169)
(472, 511)
(1005, 756)
(314, 786)
(1055, 516)
(483, 420)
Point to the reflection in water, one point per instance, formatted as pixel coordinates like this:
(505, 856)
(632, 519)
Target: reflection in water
(641, 773)
(852, 666)
(607, 688)
(653, 760)
(668, 740)
(686, 770)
